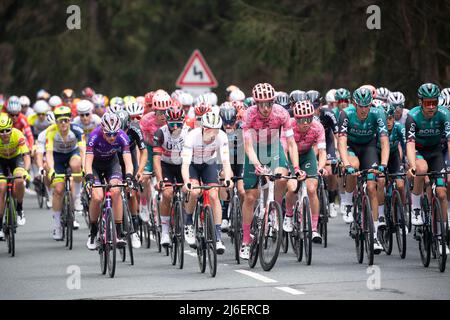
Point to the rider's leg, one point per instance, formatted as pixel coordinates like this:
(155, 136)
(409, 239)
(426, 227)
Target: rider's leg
(217, 211)
(2, 203)
(165, 209)
(58, 192)
(117, 206)
(280, 185)
(311, 188)
(94, 210)
(247, 213)
(75, 166)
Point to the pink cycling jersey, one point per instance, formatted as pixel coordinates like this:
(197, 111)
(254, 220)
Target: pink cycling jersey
(314, 135)
(259, 129)
(149, 125)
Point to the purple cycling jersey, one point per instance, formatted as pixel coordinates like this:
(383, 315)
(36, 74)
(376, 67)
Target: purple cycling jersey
(102, 149)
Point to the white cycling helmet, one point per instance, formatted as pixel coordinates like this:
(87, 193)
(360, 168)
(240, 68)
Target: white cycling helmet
(134, 108)
(13, 106)
(330, 97)
(115, 107)
(186, 99)
(444, 101)
(396, 98)
(41, 106)
(176, 94)
(24, 101)
(212, 120)
(84, 106)
(445, 92)
(383, 94)
(212, 97)
(51, 117)
(237, 95)
(55, 101)
(110, 122)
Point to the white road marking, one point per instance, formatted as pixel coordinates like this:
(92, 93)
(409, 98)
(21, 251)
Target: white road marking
(290, 290)
(192, 254)
(256, 276)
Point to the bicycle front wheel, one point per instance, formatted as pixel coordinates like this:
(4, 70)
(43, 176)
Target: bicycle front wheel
(111, 240)
(210, 237)
(254, 245)
(439, 235)
(398, 219)
(179, 233)
(307, 230)
(236, 225)
(358, 229)
(200, 240)
(368, 229)
(11, 226)
(285, 235)
(296, 235)
(270, 236)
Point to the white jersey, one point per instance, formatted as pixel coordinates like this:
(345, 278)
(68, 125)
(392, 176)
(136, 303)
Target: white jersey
(40, 143)
(195, 150)
(402, 120)
(169, 146)
(94, 123)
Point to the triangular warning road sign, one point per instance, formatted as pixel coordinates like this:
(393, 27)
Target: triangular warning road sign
(196, 73)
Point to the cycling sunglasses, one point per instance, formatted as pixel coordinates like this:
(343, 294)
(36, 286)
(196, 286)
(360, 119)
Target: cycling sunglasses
(111, 134)
(65, 120)
(174, 124)
(307, 120)
(429, 103)
(13, 115)
(84, 115)
(136, 117)
(265, 104)
(160, 112)
(5, 131)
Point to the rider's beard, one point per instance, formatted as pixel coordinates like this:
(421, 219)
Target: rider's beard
(229, 131)
(176, 132)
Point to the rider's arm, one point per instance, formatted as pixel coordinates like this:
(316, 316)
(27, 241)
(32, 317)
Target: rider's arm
(411, 142)
(27, 161)
(128, 162)
(322, 148)
(27, 132)
(249, 150)
(225, 155)
(322, 159)
(384, 140)
(158, 142)
(186, 156)
(88, 163)
(342, 142)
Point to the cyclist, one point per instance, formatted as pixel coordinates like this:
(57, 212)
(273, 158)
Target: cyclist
(424, 126)
(233, 129)
(397, 100)
(149, 124)
(359, 128)
(330, 124)
(397, 141)
(55, 101)
(102, 161)
(38, 120)
(202, 150)
(135, 111)
(342, 97)
(85, 118)
(25, 102)
(136, 138)
(262, 127)
(187, 101)
(14, 108)
(168, 144)
(330, 98)
(99, 104)
(383, 94)
(308, 132)
(200, 109)
(14, 156)
(148, 102)
(88, 93)
(237, 95)
(282, 98)
(65, 147)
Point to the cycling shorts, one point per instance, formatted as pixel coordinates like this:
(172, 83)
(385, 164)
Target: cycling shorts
(149, 165)
(367, 154)
(433, 157)
(13, 165)
(206, 173)
(171, 172)
(62, 160)
(308, 162)
(108, 169)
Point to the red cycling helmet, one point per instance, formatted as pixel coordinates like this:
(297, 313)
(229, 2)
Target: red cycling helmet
(202, 108)
(174, 114)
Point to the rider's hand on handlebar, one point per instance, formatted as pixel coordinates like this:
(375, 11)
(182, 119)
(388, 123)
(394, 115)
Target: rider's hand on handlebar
(187, 187)
(228, 183)
(129, 180)
(259, 169)
(51, 174)
(323, 172)
(411, 172)
(301, 175)
(350, 170)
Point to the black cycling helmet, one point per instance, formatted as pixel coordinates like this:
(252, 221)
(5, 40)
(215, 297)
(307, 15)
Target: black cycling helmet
(314, 97)
(228, 116)
(297, 96)
(283, 100)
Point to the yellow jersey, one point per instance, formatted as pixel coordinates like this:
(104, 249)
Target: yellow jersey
(17, 145)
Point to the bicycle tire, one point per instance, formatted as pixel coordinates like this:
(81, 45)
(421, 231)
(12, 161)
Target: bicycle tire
(296, 236)
(398, 219)
(146, 230)
(285, 235)
(210, 236)
(40, 197)
(129, 229)
(408, 206)
(200, 241)
(270, 236)
(254, 245)
(439, 238)
(173, 238)
(425, 238)
(69, 221)
(359, 231)
(111, 243)
(11, 228)
(307, 230)
(236, 224)
(324, 214)
(102, 249)
(385, 234)
(180, 233)
(368, 229)
(158, 227)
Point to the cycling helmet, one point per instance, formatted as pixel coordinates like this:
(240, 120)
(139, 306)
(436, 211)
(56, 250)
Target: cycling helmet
(149, 98)
(237, 95)
(41, 106)
(297, 95)
(330, 97)
(383, 94)
(134, 108)
(55, 101)
(42, 95)
(303, 109)
(13, 105)
(84, 106)
(174, 114)
(248, 102)
(212, 120)
(115, 108)
(371, 88)
(377, 103)
(98, 100)
(127, 99)
(110, 122)
(444, 101)
(88, 92)
(226, 104)
(124, 119)
(117, 100)
(397, 99)
(389, 109)
(5, 121)
(238, 105)
(68, 94)
(202, 108)
(428, 91)
(212, 98)
(283, 100)
(140, 100)
(161, 100)
(25, 101)
(342, 94)
(445, 92)
(186, 99)
(176, 94)
(51, 117)
(229, 116)
(63, 112)
(263, 92)
(362, 97)
(315, 98)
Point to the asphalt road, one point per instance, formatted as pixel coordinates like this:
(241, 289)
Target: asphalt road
(46, 269)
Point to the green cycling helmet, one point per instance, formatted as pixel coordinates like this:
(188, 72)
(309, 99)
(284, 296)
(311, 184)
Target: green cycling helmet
(124, 119)
(428, 91)
(342, 94)
(362, 97)
(389, 109)
(249, 101)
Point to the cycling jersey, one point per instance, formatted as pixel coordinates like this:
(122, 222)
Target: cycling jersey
(426, 133)
(168, 146)
(402, 119)
(236, 144)
(21, 123)
(396, 137)
(87, 129)
(16, 145)
(305, 140)
(328, 121)
(362, 131)
(40, 142)
(136, 137)
(197, 151)
(55, 142)
(149, 124)
(105, 151)
(37, 126)
(277, 120)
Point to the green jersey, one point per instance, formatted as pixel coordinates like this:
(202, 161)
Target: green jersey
(396, 136)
